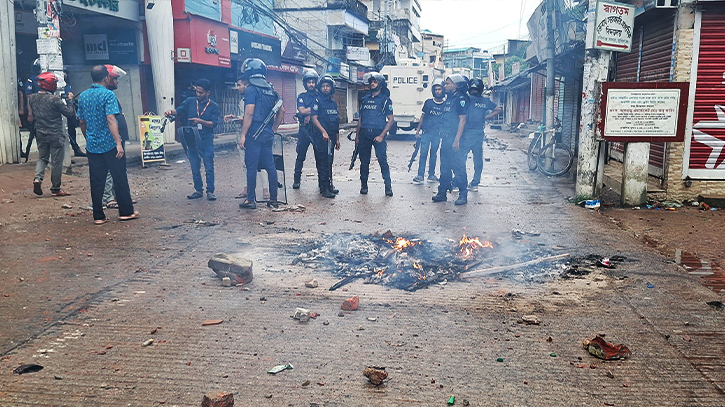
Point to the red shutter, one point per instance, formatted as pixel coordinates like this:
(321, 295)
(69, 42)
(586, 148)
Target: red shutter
(709, 119)
(284, 84)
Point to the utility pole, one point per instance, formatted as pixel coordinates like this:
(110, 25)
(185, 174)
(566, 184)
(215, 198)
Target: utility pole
(550, 55)
(9, 130)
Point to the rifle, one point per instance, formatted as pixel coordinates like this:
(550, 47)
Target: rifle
(415, 153)
(354, 153)
(267, 119)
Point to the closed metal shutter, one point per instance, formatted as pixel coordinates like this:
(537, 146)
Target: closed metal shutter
(707, 154)
(649, 61)
(284, 84)
(537, 97)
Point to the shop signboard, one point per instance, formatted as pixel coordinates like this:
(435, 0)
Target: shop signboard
(333, 66)
(252, 45)
(358, 53)
(613, 26)
(644, 112)
(126, 9)
(152, 139)
(117, 47)
(206, 41)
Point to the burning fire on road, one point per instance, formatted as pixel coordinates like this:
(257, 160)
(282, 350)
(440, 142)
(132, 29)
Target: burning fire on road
(401, 262)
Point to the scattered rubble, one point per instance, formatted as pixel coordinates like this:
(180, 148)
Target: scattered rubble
(350, 304)
(210, 322)
(30, 368)
(530, 320)
(375, 374)
(280, 368)
(605, 350)
(234, 266)
(218, 399)
(302, 314)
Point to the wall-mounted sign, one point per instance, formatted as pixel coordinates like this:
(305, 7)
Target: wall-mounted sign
(294, 69)
(358, 53)
(638, 112)
(613, 26)
(251, 45)
(117, 47)
(126, 9)
(344, 71)
(96, 46)
(333, 66)
(233, 42)
(183, 55)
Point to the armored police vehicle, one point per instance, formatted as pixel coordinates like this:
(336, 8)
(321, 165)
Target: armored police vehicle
(409, 84)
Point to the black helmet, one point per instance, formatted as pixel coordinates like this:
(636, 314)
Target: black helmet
(460, 81)
(437, 82)
(309, 74)
(326, 79)
(476, 84)
(35, 68)
(255, 70)
(377, 76)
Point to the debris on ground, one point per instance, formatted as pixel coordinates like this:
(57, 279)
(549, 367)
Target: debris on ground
(226, 282)
(290, 208)
(199, 222)
(30, 368)
(592, 204)
(452, 400)
(302, 314)
(148, 342)
(210, 322)
(375, 374)
(718, 305)
(605, 262)
(280, 368)
(311, 283)
(218, 399)
(350, 304)
(605, 350)
(66, 206)
(581, 266)
(234, 266)
(530, 320)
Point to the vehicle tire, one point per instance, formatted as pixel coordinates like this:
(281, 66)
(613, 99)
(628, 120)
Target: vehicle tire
(533, 155)
(559, 163)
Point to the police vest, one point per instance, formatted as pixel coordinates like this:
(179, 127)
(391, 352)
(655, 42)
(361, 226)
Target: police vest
(374, 111)
(328, 115)
(456, 105)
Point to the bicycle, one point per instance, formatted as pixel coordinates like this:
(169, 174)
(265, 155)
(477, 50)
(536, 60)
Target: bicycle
(552, 158)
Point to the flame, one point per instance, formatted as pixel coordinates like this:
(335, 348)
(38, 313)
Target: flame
(401, 243)
(380, 272)
(417, 266)
(470, 245)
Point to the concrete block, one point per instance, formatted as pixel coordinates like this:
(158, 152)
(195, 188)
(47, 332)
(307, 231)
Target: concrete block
(218, 399)
(234, 266)
(715, 201)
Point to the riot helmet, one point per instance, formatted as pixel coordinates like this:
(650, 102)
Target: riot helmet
(460, 82)
(379, 78)
(326, 79)
(308, 75)
(255, 70)
(477, 85)
(437, 83)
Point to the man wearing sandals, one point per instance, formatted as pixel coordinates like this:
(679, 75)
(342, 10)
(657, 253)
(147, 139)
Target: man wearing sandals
(97, 109)
(44, 111)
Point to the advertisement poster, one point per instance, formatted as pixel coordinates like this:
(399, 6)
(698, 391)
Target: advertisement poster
(152, 139)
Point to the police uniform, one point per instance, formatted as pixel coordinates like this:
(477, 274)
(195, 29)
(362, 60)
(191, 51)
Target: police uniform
(325, 108)
(473, 134)
(31, 87)
(304, 138)
(258, 152)
(430, 140)
(374, 111)
(455, 106)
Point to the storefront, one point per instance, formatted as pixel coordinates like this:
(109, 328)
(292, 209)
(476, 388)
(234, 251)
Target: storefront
(705, 145)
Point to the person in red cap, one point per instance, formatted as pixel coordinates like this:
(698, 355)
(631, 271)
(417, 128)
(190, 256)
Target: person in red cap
(45, 110)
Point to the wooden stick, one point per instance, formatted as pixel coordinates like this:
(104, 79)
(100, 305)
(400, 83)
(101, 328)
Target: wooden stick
(499, 269)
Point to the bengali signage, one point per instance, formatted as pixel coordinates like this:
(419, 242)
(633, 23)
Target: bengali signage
(152, 139)
(358, 53)
(613, 26)
(126, 9)
(644, 111)
(251, 45)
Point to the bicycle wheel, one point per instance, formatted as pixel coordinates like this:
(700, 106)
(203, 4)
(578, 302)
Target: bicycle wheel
(556, 159)
(534, 152)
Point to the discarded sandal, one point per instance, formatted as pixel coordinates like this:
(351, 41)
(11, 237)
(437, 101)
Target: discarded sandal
(61, 193)
(112, 205)
(101, 221)
(37, 189)
(129, 217)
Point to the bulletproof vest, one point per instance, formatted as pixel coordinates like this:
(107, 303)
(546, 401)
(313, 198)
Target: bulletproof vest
(433, 115)
(265, 102)
(373, 111)
(328, 114)
(453, 107)
(477, 111)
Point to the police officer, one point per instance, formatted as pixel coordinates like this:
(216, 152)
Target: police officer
(454, 121)
(430, 124)
(376, 119)
(31, 87)
(304, 137)
(259, 101)
(326, 121)
(480, 109)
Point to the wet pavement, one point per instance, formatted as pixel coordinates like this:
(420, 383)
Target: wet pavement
(81, 300)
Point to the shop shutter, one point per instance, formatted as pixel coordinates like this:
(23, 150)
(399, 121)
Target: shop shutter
(537, 97)
(284, 84)
(709, 117)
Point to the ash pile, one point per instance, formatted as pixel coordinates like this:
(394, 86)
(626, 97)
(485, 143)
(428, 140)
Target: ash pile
(406, 263)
